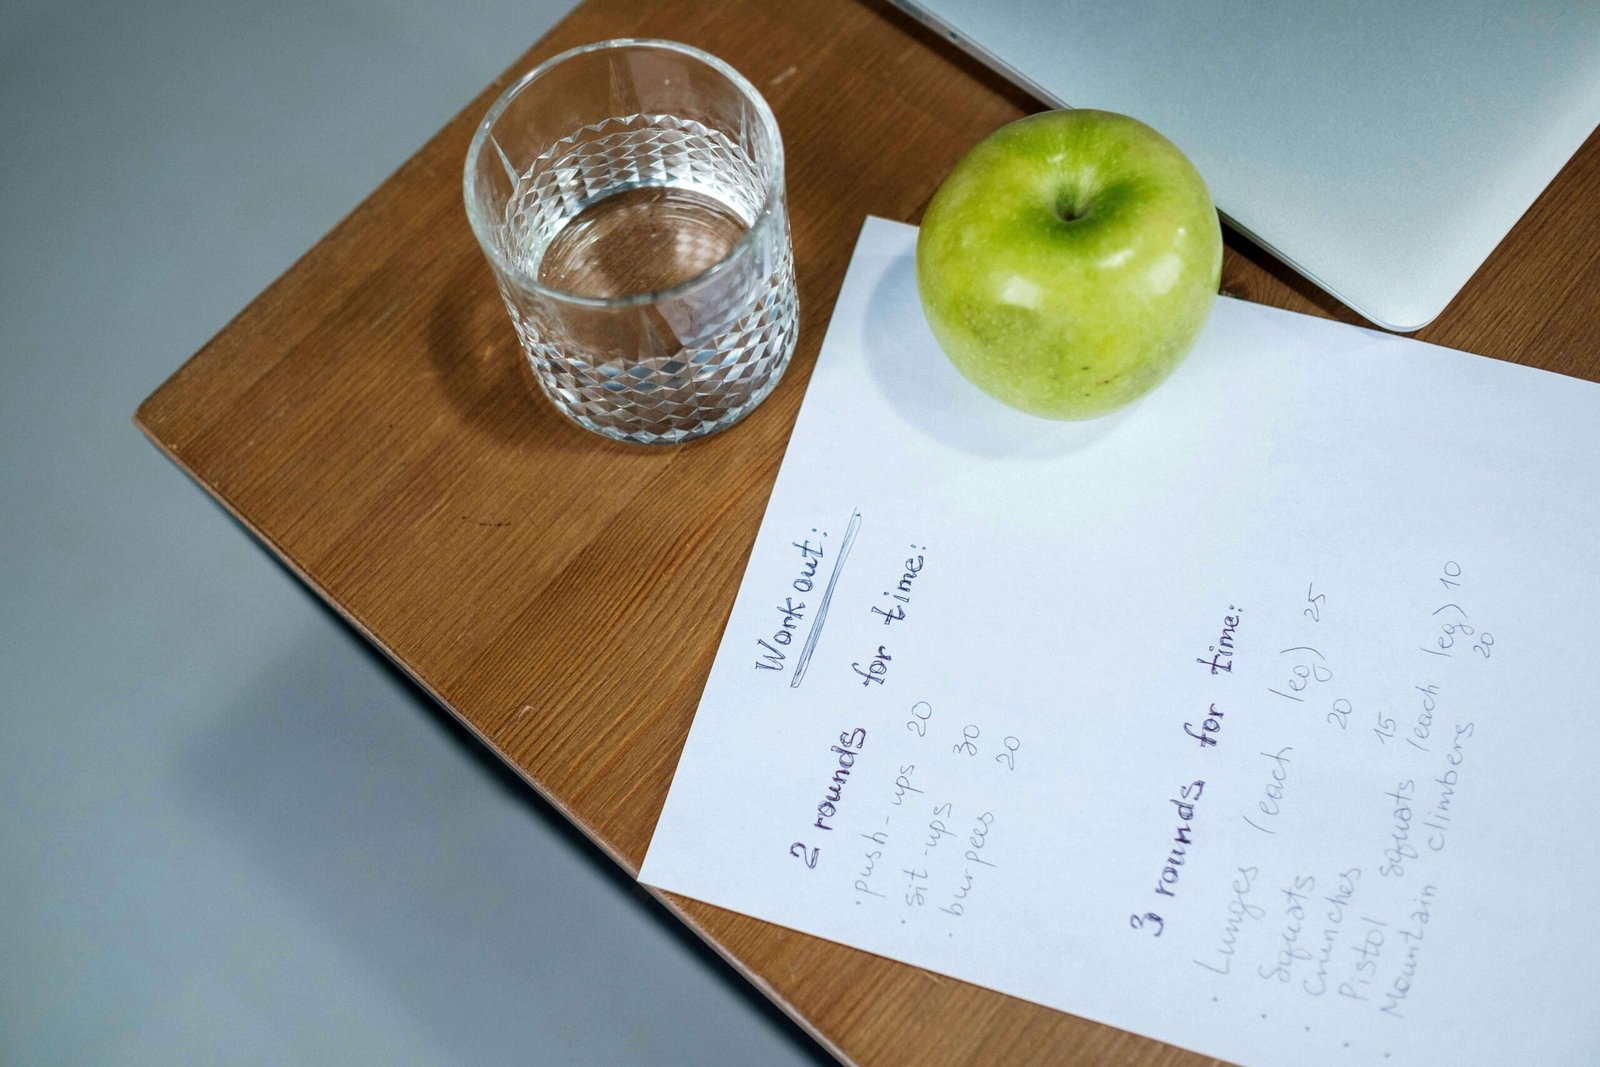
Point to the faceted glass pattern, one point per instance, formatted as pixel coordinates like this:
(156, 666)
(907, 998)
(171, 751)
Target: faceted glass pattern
(644, 257)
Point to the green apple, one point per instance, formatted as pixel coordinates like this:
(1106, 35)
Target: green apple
(1067, 263)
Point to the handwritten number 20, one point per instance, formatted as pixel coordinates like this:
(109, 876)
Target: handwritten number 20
(798, 851)
(921, 712)
(1009, 756)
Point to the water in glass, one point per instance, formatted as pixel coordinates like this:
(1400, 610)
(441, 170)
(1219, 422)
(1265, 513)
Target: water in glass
(664, 301)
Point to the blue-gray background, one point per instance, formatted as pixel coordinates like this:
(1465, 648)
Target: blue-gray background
(228, 831)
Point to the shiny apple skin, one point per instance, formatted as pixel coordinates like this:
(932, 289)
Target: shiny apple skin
(1069, 261)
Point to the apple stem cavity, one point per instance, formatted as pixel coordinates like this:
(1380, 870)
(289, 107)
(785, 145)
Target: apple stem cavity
(1069, 208)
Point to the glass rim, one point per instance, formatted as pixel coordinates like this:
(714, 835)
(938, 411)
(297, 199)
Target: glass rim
(769, 203)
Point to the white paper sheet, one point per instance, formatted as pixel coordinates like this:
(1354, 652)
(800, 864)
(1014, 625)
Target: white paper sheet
(1258, 719)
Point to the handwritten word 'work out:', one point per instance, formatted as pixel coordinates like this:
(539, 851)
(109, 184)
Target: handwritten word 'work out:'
(772, 651)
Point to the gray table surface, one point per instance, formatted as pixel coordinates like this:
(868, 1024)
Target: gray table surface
(228, 831)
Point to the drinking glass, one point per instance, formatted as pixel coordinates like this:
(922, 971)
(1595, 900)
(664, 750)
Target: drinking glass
(629, 197)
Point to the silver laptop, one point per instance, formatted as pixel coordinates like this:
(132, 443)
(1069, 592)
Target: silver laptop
(1382, 148)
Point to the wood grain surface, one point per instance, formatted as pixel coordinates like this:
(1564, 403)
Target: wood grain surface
(369, 419)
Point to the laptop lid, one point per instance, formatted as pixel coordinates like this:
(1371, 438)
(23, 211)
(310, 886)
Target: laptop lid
(1382, 149)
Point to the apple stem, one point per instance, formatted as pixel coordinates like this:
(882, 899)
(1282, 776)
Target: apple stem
(1068, 209)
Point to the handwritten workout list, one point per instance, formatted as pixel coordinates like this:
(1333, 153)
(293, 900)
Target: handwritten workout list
(1257, 719)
